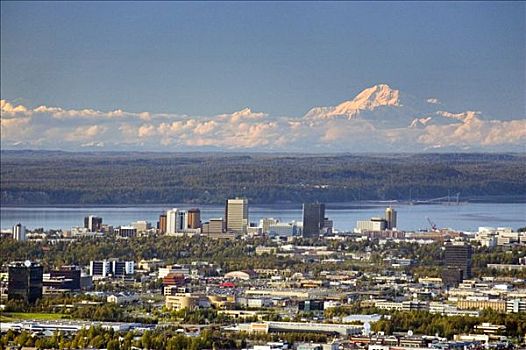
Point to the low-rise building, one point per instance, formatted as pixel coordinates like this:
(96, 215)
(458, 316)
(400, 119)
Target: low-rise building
(497, 305)
(516, 306)
(122, 298)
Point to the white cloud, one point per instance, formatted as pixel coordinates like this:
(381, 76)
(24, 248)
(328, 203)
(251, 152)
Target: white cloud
(433, 101)
(9, 110)
(83, 133)
(476, 132)
(206, 127)
(14, 129)
(93, 144)
(391, 130)
(146, 130)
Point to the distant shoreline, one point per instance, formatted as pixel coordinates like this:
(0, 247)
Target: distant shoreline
(330, 205)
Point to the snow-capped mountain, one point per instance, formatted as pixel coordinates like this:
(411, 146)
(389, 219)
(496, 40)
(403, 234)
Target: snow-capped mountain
(445, 118)
(372, 98)
(385, 107)
(379, 118)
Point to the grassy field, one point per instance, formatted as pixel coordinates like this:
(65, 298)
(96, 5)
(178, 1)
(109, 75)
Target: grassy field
(14, 316)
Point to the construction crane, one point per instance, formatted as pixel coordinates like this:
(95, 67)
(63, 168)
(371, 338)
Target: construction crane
(433, 225)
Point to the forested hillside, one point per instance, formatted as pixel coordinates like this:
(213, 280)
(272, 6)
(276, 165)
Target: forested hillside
(40, 177)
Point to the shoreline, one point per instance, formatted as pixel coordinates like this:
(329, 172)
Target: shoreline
(329, 205)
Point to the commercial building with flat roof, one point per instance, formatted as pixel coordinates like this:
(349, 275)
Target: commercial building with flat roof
(313, 219)
(93, 223)
(25, 281)
(194, 218)
(390, 218)
(236, 215)
(459, 256)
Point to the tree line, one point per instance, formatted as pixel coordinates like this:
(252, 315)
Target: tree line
(143, 178)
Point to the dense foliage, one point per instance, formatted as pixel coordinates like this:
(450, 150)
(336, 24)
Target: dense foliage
(446, 326)
(232, 255)
(29, 177)
(167, 338)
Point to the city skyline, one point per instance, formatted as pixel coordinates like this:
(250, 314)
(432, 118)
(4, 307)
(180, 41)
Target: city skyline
(262, 175)
(259, 76)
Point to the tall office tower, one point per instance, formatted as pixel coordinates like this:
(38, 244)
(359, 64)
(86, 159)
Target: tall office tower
(19, 232)
(25, 281)
(172, 217)
(236, 215)
(458, 256)
(313, 219)
(182, 220)
(162, 223)
(194, 218)
(93, 223)
(390, 218)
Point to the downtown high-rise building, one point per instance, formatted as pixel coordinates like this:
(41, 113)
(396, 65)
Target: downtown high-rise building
(19, 232)
(194, 218)
(93, 223)
(458, 257)
(172, 221)
(182, 221)
(176, 221)
(390, 218)
(161, 225)
(236, 215)
(313, 219)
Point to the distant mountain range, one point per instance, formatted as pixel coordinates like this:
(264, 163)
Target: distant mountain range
(378, 119)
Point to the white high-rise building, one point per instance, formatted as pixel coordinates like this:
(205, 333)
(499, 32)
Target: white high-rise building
(172, 216)
(236, 215)
(176, 221)
(19, 232)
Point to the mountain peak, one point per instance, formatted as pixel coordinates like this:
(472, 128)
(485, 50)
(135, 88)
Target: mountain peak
(369, 99)
(377, 95)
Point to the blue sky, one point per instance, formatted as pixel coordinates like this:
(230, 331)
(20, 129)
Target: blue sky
(209, 58)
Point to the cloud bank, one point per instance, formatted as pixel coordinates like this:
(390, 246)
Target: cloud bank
(379, 119)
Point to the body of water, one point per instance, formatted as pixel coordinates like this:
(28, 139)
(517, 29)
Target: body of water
(465, 216)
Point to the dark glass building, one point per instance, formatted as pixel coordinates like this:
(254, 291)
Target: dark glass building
(310, 305)
(25, 281)
(69, 276)
(313, 219)
(452, 276)
(458, 256)
(93, 223)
